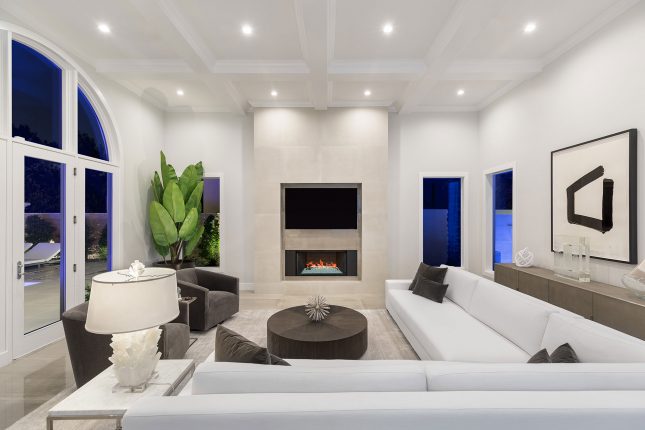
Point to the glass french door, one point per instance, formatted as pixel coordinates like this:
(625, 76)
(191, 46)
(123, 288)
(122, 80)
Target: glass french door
(42, 238)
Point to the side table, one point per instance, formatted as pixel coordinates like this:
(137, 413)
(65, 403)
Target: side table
(98, 398)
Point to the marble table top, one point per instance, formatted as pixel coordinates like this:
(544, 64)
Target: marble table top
(99, 397)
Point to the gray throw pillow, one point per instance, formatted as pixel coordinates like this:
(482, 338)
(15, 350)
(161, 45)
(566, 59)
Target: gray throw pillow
(542, 356)
(436, 274)
(233, 347)
(564, 354)
(430, 289)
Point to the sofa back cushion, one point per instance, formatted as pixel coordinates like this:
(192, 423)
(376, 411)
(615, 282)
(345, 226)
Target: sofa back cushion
(515, 316)
(233, 378)
(535, 377)
(461, 285)
(593, 342)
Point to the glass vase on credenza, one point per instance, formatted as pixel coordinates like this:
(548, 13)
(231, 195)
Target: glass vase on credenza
(571, 257)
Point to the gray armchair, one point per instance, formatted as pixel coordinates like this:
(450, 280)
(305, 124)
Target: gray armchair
(89, 352)
(218, 296)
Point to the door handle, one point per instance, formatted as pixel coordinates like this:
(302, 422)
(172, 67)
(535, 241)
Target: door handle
(19, 271)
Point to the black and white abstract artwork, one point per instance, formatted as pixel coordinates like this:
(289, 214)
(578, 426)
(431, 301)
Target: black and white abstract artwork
(593, 194)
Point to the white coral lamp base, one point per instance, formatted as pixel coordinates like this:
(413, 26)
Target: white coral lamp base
(135, 356)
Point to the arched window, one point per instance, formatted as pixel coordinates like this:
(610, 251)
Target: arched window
(91, 140)
(36, 96)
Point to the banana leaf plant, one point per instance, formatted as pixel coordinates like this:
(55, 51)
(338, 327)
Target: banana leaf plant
(175, 211)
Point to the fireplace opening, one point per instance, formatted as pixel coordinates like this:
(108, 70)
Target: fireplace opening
(321, 263)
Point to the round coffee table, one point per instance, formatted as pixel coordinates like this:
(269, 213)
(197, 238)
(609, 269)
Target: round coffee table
(342, 335)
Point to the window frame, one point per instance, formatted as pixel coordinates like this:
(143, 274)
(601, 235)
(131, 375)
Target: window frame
(487, 215)
(222, 240)
(465, 234)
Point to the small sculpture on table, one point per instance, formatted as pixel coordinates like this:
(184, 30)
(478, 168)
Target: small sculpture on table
(524, 258)
(317, 308)
(635, 281)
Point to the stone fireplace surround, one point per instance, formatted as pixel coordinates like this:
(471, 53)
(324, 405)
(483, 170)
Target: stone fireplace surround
(335, 146)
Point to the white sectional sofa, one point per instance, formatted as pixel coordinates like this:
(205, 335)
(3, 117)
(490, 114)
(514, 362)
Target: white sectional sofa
(473, 375)
(482, 321)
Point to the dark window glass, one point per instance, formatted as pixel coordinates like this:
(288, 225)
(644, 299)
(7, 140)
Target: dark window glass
(207, 253)
(37, 97)
(91, 140)
(98, 225)
(442, 221)
(503, 217)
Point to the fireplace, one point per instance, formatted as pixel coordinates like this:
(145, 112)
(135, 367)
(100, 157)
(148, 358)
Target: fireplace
(321, 263)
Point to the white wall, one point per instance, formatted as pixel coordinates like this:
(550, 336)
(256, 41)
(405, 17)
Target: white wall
(595, 90)
(436, 143)
(224, 143)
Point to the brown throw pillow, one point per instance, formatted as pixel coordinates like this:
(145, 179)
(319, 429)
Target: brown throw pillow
(436, 274)
(430, 289)
(564, 354)
(233, 347)
(542, 356)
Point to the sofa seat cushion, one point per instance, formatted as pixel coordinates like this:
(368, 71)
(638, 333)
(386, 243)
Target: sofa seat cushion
(444, 376)
(449, 333)
(231, 378)
(517, 317)
(592, 342)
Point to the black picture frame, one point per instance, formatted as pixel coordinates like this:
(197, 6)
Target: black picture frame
(632, 196)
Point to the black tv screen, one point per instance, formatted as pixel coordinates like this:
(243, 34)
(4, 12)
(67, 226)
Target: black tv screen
(321, 208)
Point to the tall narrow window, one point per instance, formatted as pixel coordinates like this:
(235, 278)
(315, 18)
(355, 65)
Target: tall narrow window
(503, 217)
(442, 207)
(91, 140)
(207, 253)
(98, 225)
(36, 97)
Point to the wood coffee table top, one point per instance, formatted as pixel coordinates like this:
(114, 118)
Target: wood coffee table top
(293, 323)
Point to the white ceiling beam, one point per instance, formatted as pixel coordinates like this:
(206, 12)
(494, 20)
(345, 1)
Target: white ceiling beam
(143, 66)
(241, 67)
(406, 68)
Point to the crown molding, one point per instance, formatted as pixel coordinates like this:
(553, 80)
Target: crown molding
(252, 67)
(408, 68)
(152, 66)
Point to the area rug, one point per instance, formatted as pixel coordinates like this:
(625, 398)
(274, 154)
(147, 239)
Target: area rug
(385, 342)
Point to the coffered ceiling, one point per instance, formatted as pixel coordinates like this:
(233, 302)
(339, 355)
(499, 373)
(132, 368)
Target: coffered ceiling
(317, 53)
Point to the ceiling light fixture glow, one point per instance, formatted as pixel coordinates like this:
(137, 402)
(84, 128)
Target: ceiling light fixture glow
(530, 27)
(180, 92)
(367, 93)
(247, 30)
(461, 92)
(104, 28)
(388, 28)
(274, 93)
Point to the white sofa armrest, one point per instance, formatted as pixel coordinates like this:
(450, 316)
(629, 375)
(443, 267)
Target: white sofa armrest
(397, 284)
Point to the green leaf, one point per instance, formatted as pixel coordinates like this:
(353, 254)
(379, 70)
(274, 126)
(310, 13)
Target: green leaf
(188, 181)
(200, 170)
(162, 250)
(168, 173)
(157, 188)
(173, 201)
(195, 199)
(192, 243)
(187, 229)
(164, 231)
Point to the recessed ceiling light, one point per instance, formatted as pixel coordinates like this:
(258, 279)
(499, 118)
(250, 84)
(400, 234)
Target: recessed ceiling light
(461, 92)
(247, 30)
(274, 93)
(180, 92)
(104, 28)
(530, 27)
(367, 93)
(388, 28)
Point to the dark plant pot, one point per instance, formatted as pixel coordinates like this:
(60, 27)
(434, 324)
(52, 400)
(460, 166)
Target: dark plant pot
(187, 264)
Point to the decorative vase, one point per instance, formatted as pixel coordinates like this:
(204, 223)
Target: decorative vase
(571, 258)
(135, 357)
(317, 308)
(524, 258)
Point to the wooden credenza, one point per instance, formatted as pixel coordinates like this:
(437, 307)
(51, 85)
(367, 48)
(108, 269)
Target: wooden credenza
(606, 304)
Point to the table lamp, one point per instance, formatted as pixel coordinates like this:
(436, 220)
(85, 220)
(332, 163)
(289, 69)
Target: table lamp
(131, 305)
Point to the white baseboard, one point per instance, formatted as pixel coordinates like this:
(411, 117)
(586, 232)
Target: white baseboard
(247, 286)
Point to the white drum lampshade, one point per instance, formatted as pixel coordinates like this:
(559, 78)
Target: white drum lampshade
(120, 303)
(130, 308)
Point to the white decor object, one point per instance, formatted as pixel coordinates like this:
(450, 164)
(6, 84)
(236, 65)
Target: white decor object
(635, 281)
(317, 308)
(136, 269)
(131, 308)
(524, 258)
(573, 259)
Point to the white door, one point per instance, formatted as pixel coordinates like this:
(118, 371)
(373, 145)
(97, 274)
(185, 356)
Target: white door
(43, 244)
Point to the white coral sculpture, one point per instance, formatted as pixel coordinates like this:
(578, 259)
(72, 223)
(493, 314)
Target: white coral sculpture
(317, 308)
